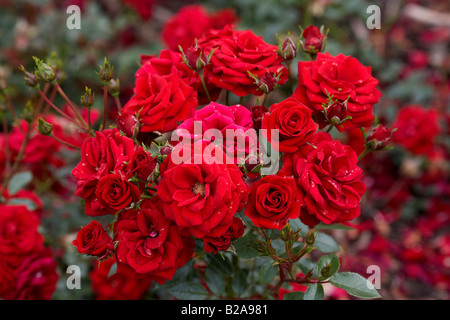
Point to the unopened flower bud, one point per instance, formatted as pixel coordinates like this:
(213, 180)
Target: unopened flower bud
(166, 150)
(267, 82)
(287, 49)
(28, 112)
(87, 100)
(195, 58)
(313, 40)
(378, 137)
(44, 71)
(336, 112)
(31, 79)
(106, 72)
(114, 87)
(310, 238)
(45, 128)
(257, 115)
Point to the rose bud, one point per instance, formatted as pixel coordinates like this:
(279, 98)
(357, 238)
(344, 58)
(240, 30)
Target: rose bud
(87, 100)
(195, 58)
(336, 113)
(106, 72)
(252, 166)
(267, 82)
(44, 71)
(287, 49)
(128, 124)
(45, 128)
(94, 240)
(257, 115)
(31, 79)
(312, 40)
(378, 137)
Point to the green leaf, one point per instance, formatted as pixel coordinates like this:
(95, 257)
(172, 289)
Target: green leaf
(307, 265)
(325, 243)
(215, 282)
(189, 291)
(354, 284)
(245, 247)
(239, 283)
(219, 263)
(329, 265)
(19, 181)
(323, 226)
(112, 270)
(31, 206)
(296, 225)
(294, 296)
(314, 292)
(267, 272)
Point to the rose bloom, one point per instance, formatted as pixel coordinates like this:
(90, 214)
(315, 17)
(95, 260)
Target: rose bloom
(109, 151)
(36, 277)
(119, 286)
(217, 117)
(18, 232)
(150, 244)
(272, 202)
(236, 54)
(192, 22)
(115, 192)
(417, 128)
(201, 198)
(294, 123)
(161, 99)
(341, 77)
(328, 180)
(94, 240)
(171, 62)
(223, 242)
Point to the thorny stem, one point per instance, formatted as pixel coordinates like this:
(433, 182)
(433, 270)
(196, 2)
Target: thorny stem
(64, 142)
(202, 79)
(50, 103)
(118, 104)
(5, 134)
(21, 153)
(74, 108)
(105, 106)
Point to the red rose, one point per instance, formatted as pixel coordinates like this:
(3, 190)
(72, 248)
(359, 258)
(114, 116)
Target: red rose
(201, 198)
(142, 164)
(161, 100)
(272, 202)
(36, 277)
(192, 22)
(119, 286)
(342, 77)
(94, 240)
(223, 242)
(294, 123)
(236, 54)
(233, 123)
(7, 281)
(257, 115)
(109, 151)
(18, 232)
(328, 180)
(171, 62)
(417, 128)
(115, 192)
(150, 244)
(312, 40)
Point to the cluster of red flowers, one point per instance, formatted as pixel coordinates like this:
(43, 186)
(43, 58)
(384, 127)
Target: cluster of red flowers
(158, 206)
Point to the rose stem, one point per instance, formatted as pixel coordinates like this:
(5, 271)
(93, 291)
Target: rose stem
(202, 79)
(75, 110)
(65, 142)
(105, 106)
(59, 111)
